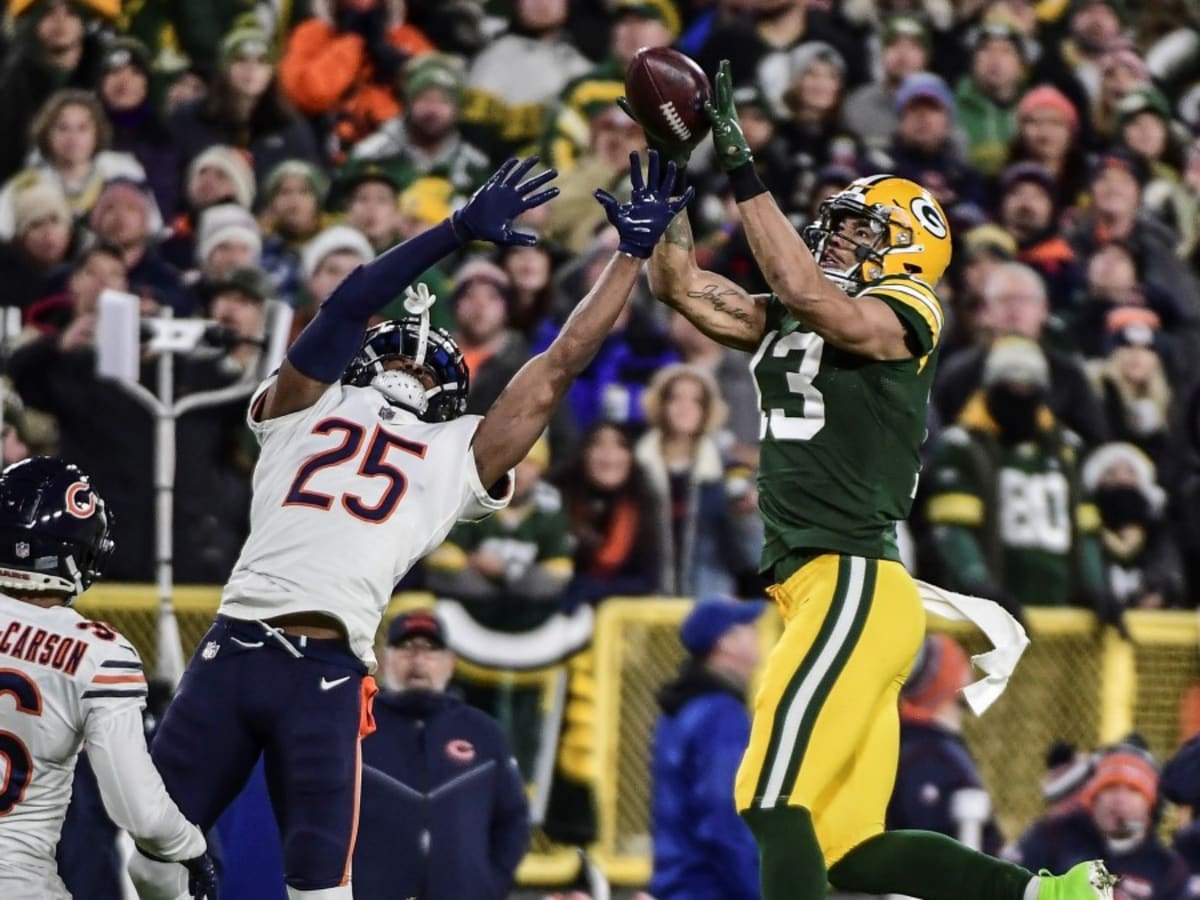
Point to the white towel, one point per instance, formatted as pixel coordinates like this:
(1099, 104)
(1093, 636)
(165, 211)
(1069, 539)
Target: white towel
(1007, 637)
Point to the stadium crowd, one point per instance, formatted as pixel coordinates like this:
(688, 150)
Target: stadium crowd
(215, 156)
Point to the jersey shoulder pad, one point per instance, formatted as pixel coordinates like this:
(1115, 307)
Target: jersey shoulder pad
(105, 642)
(915, 301)
(326, 403)
(116, 671)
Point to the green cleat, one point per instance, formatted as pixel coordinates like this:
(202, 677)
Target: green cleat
(1086, 881)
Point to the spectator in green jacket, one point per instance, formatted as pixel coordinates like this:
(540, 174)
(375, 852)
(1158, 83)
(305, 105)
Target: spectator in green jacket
(987, 97)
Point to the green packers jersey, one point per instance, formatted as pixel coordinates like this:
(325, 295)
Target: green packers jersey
(840, 432)
(1037, 517)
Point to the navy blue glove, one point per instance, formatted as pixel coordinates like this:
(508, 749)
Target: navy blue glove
(489, 214)
(202, 877)
(642, 221)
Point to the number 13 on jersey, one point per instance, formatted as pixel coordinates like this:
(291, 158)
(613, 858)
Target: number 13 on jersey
(804, 416)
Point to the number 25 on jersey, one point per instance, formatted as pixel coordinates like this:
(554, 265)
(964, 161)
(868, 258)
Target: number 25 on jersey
(374, 464)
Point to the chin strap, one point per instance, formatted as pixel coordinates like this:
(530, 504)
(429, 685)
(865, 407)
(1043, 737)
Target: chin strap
(417, 303)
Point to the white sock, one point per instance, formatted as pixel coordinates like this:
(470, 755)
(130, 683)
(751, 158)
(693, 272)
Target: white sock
(1031, 889)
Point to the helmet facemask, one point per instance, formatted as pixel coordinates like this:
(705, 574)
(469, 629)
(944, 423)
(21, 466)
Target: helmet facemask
(425, 351)
(889, 236)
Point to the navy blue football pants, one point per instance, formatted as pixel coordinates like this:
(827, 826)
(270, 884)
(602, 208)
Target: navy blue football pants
(245, 694)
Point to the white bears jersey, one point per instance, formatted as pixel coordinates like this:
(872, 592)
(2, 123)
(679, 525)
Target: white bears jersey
(67, 683)
(348, 495)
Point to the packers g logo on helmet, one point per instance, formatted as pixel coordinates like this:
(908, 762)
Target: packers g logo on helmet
(912, 236)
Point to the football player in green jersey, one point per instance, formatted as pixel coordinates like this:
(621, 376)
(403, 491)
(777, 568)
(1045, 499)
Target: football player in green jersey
(844, 352)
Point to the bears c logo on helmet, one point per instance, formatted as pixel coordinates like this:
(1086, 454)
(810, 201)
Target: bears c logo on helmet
(81, 502)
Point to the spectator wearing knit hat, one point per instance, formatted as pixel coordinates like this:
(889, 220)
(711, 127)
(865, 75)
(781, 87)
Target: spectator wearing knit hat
(1145, 570)
(927, 148)
(870, 110)
(246, 108)
(635, 24)
(138, 128)
(220, 174)
(369, 193)
(1133, 384)
(514, 80)
(1094, 27)
(701, 848)
(1147, 129)
(228, 238)
(70, 316)
(127, 217)
(988, 95)
(325, 261)
(1029, 211)
(425, 139)
(493, 352)
(1048, 134)
(1114, 280)
(341, 63)
(1116, 213)
(294, 194)
(53, 49)
(1117, 824)
(1067, 773)
(1122, 70)
(70, 137)
(936, 764)
(43, 239)
(809, 109)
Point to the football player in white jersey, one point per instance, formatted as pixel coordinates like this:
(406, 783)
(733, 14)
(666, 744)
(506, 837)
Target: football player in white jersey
(367, 462)
(66, 682)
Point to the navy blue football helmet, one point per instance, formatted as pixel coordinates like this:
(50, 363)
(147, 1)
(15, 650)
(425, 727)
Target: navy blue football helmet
(440, 357)
(54, 528)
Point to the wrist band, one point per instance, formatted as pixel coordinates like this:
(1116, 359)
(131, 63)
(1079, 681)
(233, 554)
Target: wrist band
(745, 182)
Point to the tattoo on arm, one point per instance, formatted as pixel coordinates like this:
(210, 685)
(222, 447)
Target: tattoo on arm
(714, 294)
(679, 233)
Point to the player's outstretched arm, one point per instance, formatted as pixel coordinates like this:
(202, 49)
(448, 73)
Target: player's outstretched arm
(865, 326)
(714, 304)
(523, 410)
(327, 345)
(136, 799)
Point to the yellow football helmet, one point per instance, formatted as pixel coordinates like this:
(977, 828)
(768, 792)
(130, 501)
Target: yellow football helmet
(912, 236)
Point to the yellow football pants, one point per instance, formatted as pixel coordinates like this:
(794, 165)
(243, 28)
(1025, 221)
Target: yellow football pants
(826, 732)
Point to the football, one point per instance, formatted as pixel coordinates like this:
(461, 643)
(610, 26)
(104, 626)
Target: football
(667, 91)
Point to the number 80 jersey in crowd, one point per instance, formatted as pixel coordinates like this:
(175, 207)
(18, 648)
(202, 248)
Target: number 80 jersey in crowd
(841, 433)
(348, 495)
